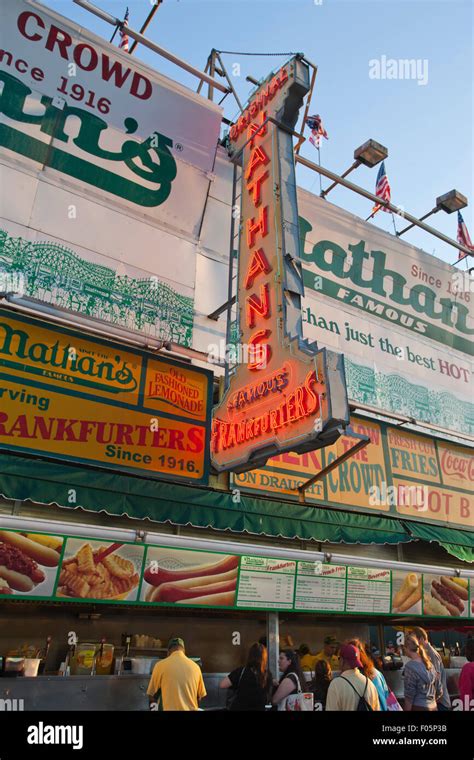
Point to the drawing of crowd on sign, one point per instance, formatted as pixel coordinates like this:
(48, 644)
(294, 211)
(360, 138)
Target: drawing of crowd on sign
(55, 274)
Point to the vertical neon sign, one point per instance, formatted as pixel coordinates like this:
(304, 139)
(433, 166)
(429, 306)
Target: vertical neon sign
(285, 395)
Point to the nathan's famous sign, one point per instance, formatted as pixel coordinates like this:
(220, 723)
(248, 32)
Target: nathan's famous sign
(107, 165)
(287, 396)
(64, 396)
(402, 318)
(100, 116)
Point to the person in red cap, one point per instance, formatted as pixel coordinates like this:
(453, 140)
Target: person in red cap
(344, 692)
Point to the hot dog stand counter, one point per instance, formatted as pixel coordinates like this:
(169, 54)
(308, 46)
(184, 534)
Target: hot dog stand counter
(108, 590)
(127, 691)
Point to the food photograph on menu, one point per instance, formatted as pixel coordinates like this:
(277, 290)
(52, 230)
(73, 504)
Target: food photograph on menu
(28, 563)
(446, 596)
(100, 570)
(407, 589)
(184, 577)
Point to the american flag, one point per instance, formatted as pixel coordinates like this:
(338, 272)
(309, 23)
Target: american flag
(382, 188)
(123, 33)
(463, 236)
(317, 130)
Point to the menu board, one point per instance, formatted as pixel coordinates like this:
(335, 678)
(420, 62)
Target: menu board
(368, 590)
(266, 583)
(65, 568)
(320, 587)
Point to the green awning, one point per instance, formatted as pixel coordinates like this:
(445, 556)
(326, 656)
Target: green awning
(459, 543)
(104, 491)
(98, 490)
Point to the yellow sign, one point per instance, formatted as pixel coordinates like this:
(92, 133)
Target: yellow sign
(457, 466)
(176, 390)
(351, 481)
(411, 475)
(88, 401)
(435, 503)
(412, 455)
(59, 358)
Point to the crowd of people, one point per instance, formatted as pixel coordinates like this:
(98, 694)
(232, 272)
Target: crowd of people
(359, 684)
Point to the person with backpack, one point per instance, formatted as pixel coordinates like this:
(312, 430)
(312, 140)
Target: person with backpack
(369, 669)
(352, 691)
(252, 684)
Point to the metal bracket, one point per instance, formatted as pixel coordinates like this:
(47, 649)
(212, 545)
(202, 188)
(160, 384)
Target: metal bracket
(363, 441)
(216, 314)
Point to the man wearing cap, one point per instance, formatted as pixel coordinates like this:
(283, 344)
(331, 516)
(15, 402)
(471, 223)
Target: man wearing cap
(328, 653)
(345, 691)
(176, 682)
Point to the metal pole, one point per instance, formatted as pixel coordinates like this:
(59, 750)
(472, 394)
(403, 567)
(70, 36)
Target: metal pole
(308, 103)
(433, 211)
(371, 197)
(231, 273)
(202, 81)
(212, 71)
(115, 32)
(273, 642)
(221, 63)
(361, 444)
(348, 171)
(156, 5)
(151, 45)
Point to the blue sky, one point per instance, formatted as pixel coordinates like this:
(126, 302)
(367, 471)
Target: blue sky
(428, 129)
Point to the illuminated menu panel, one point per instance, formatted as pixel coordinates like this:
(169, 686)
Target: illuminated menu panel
(368, 590)
(266, 583)
(320, 587)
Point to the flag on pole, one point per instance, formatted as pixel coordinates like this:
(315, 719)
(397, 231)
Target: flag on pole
(382, 189)
(463, 236)
(317, 130)
(123, 34)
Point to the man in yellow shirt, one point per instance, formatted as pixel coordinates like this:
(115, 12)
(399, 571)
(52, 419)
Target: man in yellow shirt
(307, 659)
(328, 653)
(176, 680)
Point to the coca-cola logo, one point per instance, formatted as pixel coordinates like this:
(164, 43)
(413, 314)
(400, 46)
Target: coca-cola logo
(459, 466)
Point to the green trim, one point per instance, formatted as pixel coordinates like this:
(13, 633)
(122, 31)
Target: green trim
(102, 490)
(464, 553)
(448, 536)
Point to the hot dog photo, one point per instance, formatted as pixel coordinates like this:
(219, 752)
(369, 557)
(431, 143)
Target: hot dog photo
(100, 570)
(28, 563)
(406, 592)
(445, 596)
(185, 577)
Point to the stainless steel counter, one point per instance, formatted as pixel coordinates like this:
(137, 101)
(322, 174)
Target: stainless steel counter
(126, 692)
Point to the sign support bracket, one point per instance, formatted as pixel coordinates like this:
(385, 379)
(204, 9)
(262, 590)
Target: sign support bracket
(363, 441)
